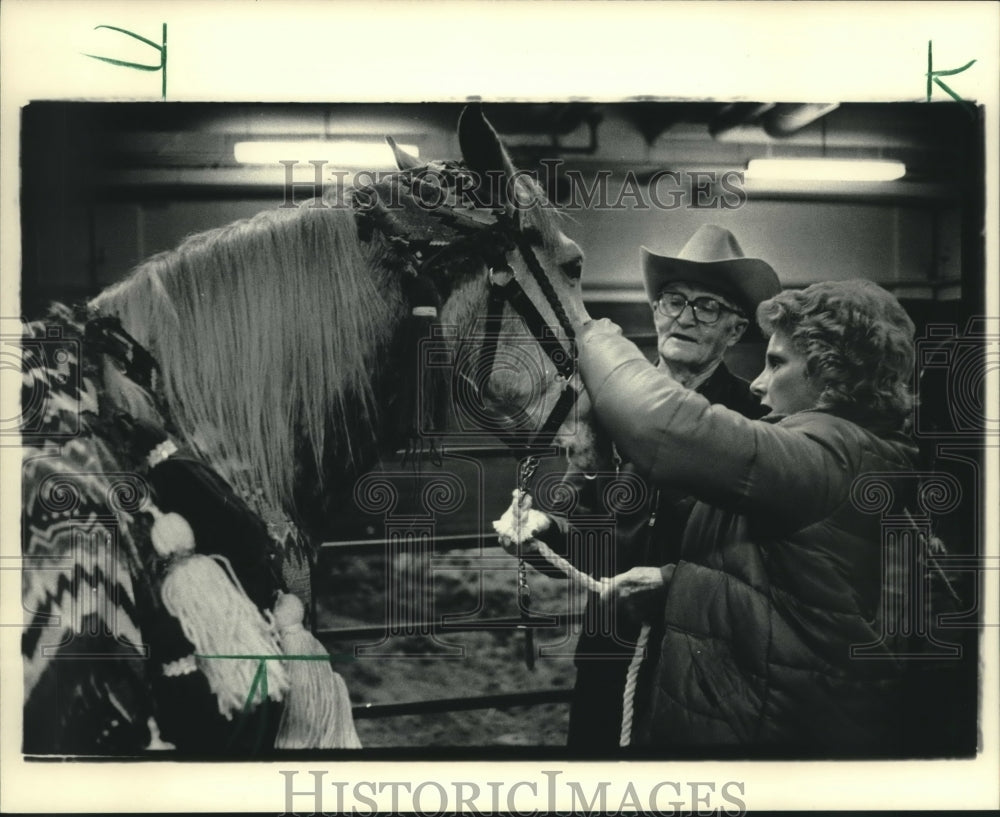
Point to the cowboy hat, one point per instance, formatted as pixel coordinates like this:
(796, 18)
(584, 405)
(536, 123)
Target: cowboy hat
(714, 259)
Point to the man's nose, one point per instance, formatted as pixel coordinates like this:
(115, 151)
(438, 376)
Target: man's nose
(686, 317)
(759, 387)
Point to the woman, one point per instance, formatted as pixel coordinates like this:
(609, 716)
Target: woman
(780, 572)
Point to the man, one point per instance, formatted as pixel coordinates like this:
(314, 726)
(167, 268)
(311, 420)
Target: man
(780, 571)
(701, 301)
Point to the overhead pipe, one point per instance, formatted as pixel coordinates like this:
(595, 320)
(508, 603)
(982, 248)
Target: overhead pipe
(786, 118)
(736, 114)
(776, 120)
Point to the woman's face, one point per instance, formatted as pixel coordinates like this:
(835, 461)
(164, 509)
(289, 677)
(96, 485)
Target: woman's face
(783, 385)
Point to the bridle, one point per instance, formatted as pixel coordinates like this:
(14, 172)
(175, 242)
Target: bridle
(423, 241)
(511, 292)
(504, 288)
(487, 236)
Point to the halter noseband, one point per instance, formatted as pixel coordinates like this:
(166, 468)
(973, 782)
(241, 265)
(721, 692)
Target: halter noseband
(511, 292)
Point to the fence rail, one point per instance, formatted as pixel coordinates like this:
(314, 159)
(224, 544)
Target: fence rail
(502, 700)
(440, 543)
(428, 628)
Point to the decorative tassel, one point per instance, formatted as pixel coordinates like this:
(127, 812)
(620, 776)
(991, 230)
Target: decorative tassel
(317, 712)
(217, 617)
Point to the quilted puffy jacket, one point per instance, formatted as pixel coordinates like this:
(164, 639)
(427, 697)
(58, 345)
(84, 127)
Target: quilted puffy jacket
(780, 571)
(648, 532)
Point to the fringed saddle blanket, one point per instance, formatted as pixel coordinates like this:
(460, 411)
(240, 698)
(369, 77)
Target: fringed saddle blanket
(148, 584)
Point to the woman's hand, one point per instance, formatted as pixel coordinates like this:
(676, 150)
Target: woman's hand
(597, 327)
(640, 591)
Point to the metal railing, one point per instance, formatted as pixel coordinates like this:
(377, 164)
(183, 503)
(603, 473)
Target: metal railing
(445, 625)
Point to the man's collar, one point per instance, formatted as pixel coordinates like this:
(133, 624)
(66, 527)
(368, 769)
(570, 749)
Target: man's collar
(698, 383)
(719, 382)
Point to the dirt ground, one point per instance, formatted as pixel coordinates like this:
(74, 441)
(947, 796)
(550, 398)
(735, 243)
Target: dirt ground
(474, 584)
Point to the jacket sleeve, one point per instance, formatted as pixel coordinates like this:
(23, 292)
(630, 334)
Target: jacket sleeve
(676, 438)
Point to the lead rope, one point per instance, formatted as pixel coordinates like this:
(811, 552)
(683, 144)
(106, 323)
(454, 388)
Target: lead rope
(525, 473)
(632, 676)
(631, 682)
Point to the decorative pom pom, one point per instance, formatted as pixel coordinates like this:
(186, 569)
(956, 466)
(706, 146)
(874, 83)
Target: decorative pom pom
(203, 594)
(317, 711)
(288, 613)
(171, 535)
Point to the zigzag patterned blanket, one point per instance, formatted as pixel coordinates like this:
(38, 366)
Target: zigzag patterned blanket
(106, 669)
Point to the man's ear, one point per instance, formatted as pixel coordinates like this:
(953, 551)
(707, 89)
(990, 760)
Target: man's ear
(736, 330)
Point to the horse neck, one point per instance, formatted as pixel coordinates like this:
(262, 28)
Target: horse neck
(410, 399)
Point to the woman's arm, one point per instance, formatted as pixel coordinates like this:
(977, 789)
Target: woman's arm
(676, 438)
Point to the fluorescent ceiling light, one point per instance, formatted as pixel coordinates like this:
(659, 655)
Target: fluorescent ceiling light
(825, 170)
(336, 152)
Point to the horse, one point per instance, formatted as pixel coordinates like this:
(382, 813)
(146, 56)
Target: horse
(195, 423)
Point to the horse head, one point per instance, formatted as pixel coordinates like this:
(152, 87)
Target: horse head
(506, 280)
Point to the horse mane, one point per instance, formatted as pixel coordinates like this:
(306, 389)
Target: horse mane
(271, 333)
(267, 332)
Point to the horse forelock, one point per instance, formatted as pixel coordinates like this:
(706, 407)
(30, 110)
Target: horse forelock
(268, 332)
(436, 221)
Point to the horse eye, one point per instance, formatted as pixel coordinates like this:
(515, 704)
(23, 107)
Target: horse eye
(533, 236)
(573, 269)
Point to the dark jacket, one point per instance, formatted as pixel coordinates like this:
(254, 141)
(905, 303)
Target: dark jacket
(780, 572)
(647, 531)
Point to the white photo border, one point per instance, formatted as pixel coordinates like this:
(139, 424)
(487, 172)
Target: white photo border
(230, 50)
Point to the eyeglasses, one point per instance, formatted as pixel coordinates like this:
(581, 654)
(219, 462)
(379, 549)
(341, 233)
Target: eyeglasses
(705, 310)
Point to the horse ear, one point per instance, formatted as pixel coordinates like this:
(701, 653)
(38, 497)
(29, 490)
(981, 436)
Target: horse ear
(404, 160)
(484, 153)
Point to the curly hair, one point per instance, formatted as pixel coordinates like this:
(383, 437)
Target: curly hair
(857, 341)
